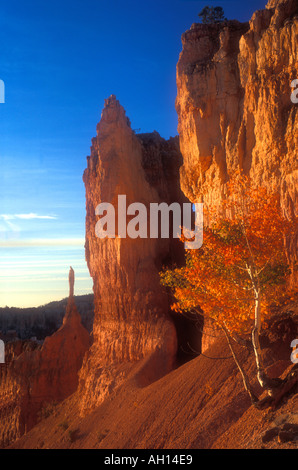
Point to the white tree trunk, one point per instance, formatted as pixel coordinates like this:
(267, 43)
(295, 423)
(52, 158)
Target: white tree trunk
(256, 342)
(245, 379)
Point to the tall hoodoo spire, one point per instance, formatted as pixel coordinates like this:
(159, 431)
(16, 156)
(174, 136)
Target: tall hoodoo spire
(71, 278)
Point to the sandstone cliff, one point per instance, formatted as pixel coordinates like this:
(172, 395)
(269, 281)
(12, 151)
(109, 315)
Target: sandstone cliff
(131, 309)
(235, 111)
(234, 106)
(35, 375)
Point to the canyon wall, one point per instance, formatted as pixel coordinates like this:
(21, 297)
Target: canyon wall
(131, 309)
(234, 105)
(235, 110)
(35, 375)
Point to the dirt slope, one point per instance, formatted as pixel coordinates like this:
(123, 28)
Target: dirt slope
(201, 404)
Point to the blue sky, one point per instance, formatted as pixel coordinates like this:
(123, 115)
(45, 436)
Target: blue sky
(59, 60)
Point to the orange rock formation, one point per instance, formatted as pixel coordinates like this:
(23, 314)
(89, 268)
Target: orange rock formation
(234, 105)
(48, 374)
(131, 309)
(235, 110)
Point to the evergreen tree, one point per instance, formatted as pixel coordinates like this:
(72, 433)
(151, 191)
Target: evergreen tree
(212, 15)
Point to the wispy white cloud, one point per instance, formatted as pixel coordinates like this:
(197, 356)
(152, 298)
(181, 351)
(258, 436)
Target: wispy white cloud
(29, 216)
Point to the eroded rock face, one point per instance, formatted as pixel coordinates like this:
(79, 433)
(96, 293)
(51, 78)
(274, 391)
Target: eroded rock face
(131, 309)
(234, 106)
(235, 110)
(208, 102)
(36, 375)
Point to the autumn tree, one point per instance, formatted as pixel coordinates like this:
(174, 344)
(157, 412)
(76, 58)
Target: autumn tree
(240, 271)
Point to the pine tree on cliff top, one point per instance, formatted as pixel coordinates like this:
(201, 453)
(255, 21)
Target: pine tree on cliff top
(212, 15)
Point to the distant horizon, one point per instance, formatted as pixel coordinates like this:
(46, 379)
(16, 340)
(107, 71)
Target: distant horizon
(46, 304)
(59, 62)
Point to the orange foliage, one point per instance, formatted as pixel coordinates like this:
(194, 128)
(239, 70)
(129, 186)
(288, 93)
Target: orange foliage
(243, 252)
